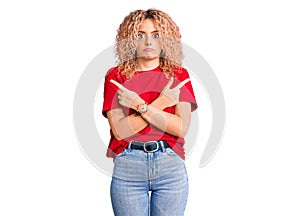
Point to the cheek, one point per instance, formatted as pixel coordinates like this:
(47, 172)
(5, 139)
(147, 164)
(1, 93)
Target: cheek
(140, 44)
(139, 50)
(157, 44)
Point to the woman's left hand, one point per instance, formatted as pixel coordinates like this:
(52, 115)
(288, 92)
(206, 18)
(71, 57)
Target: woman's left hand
(127, 98)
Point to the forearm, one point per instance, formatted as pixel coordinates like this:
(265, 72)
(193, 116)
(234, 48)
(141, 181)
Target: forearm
(130, 125)
(176, 124)
(126, 126)
(167, 122)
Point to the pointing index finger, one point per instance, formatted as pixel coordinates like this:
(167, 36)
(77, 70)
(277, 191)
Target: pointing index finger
(170, 82)
(117, 84)
(180, 85)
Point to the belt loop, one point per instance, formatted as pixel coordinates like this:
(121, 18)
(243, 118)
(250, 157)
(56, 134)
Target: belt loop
(162, 145)
(129, 145)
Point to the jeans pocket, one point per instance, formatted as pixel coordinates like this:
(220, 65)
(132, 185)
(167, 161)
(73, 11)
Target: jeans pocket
(171, 152)
(123, 153)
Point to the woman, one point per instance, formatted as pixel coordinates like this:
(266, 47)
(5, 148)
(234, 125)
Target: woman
(148, 100)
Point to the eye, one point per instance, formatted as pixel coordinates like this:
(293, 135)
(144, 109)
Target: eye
(141, 35)
(156, 35)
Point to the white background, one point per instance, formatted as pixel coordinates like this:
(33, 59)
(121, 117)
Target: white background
(253, 47)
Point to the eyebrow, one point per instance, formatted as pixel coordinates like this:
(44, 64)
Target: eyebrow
(151, 32)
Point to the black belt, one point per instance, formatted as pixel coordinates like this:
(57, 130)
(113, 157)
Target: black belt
(150, 146)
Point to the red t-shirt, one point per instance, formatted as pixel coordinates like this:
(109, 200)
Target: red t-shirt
(148, 85)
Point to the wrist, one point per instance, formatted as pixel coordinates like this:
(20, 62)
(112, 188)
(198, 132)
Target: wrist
(142, 108)
(136, 103)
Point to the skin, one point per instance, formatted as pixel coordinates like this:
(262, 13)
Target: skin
(149, 46)
(177, 124)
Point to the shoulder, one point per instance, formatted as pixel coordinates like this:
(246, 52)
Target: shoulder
(181, 73)
(115, 73)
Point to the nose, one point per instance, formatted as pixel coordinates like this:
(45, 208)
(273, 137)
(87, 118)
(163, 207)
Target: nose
(148, 41)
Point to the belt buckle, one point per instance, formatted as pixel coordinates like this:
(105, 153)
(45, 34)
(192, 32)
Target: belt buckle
(149, 143)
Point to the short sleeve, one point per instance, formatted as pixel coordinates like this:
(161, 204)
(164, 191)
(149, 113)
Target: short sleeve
(187, 92)
(110, 99)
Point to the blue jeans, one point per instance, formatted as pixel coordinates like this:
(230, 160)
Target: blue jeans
(144, 184)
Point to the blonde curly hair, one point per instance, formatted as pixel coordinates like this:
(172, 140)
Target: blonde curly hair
(127, 36)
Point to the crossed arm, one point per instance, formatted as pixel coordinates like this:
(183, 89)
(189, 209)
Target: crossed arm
(176, 124)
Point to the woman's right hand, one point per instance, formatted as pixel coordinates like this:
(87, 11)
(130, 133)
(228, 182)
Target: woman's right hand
(170, 97)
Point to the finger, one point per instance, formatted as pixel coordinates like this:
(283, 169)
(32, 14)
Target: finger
(169, 83)
(117, 84)
(179, 86)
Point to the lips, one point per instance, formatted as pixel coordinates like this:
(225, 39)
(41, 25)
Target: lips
(148, 50)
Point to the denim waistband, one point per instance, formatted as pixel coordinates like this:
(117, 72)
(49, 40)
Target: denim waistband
(136, 165)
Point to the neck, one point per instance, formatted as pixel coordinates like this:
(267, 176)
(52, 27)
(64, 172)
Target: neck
(147, 64)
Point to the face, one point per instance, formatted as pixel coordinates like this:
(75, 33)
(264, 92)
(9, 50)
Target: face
(149, 45)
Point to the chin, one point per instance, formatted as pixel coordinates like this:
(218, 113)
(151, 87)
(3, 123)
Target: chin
(149, 57)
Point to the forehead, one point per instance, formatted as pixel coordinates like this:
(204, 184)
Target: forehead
(148, 26)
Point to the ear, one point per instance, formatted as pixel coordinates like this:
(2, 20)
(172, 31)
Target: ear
(135, 55)
(162, 54)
